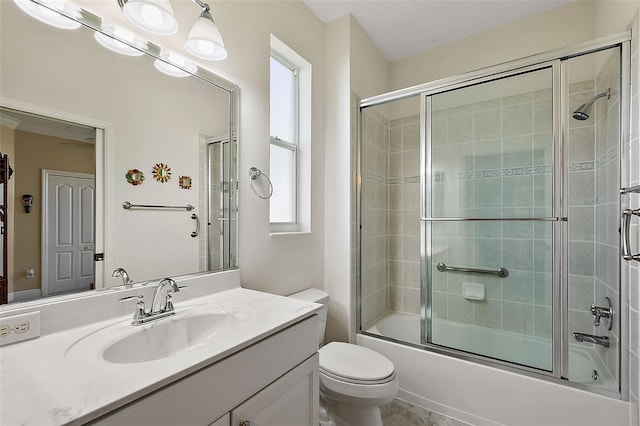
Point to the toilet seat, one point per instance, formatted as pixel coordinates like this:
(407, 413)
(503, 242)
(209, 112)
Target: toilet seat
(355, 364)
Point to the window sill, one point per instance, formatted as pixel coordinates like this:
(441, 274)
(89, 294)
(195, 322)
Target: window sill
(283, 233)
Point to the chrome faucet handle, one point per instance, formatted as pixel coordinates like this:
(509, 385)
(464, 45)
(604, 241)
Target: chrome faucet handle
(140, 312)
(603, 312)
(169, 307)
(161, 293)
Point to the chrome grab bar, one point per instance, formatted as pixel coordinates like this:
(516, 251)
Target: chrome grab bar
(501, 272)
(128, 206)
(626, 224)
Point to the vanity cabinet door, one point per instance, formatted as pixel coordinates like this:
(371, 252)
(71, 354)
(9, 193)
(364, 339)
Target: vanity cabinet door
(292, 400)
(222, 421)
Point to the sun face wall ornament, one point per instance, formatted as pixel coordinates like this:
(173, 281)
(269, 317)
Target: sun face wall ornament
(135, 177)
(161, 172)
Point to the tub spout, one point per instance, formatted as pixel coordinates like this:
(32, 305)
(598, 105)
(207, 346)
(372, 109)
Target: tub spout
(598, 340)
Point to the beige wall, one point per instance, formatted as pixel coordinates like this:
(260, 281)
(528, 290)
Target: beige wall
(555, 28)
(34, 152)
(353, 68)
(337, 266)
(280, 264)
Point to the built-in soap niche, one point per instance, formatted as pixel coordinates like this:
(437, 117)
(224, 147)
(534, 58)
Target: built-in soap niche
(473, 291)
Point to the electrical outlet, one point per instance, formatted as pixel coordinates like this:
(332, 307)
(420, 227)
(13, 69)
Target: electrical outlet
(21, 327)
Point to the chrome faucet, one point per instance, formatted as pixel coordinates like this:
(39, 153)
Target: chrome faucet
(120, 272)
(590, 338)
(161, 306)
(162, 296)
(602, 312)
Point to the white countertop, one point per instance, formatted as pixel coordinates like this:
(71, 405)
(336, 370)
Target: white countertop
(62, 378)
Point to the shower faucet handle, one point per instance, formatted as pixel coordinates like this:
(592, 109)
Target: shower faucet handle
(602, 312)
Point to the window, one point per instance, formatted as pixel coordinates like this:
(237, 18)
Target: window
(290, 141)
(284, 141)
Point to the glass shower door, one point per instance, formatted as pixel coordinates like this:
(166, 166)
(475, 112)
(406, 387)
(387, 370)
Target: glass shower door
(489, 218)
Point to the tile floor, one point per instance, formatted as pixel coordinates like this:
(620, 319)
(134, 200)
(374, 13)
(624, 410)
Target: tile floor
(402, 413)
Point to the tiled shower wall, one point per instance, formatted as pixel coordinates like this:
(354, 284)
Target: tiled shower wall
(493, 159)
(404, 214)
(607, 217)
(499, 170)
(375, 215)
(390, 215)
(593, 208)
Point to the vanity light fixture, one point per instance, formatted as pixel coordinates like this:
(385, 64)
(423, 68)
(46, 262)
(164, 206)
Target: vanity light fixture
(115, 39)
(154, 16)
(204, 40)
(50, 12)
(175, 65)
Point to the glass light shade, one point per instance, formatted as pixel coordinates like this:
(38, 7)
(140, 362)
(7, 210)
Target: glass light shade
(154, 16)
(115, 39)
(205, 41)
(48, 16)
(175, 65)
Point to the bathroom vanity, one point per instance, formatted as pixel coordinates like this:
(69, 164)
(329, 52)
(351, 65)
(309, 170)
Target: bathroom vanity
(229, 356)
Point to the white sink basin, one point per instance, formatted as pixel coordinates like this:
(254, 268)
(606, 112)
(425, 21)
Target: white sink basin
(167, 337)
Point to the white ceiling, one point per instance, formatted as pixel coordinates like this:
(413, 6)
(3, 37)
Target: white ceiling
(47, 126)
(403, 28)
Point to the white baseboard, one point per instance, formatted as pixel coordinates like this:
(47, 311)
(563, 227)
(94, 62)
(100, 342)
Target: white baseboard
(19, 296)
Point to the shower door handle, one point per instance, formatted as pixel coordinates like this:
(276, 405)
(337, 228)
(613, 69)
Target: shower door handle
(626, 224)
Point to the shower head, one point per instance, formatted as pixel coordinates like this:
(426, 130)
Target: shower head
(584, 111)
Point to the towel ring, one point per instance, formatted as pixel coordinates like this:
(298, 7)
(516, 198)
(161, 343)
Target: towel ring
(254, 173)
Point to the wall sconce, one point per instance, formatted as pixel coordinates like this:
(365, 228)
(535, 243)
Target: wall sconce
(27, 202)
(204, 39)
(51, 12)
(156, 16)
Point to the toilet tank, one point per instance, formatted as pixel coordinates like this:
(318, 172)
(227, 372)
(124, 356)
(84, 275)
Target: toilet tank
(316, 296)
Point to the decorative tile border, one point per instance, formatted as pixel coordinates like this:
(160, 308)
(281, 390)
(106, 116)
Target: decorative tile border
(608, 156)
(582, 165)
(480, 174)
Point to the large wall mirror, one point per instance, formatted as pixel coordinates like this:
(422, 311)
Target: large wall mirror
(85, 130)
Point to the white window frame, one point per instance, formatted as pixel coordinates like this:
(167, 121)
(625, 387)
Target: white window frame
(290, 145)
(302, 144)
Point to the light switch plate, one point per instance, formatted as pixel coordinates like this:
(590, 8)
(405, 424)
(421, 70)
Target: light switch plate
(21, 327)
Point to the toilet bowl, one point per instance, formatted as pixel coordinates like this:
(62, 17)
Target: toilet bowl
(354, 381)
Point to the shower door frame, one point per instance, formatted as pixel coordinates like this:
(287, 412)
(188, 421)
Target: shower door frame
(557, 217)
(553, 59)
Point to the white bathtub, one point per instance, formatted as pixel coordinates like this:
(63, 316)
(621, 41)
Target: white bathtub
(477, 385)
(527, 350)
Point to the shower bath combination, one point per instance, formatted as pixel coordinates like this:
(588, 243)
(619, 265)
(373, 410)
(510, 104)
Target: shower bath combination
(484, 178)
(584, 111)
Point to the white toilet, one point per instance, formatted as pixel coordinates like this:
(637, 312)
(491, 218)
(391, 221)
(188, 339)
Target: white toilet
(354, 381)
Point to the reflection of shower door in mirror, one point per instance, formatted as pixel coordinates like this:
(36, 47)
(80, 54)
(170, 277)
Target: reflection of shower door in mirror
(489, 219)
(69, 234)
(219, 229)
